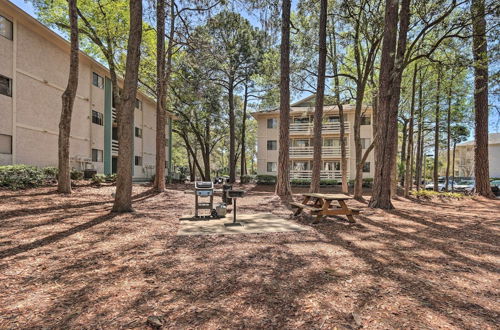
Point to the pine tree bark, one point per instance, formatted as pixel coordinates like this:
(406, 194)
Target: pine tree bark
(418, 162)
(159, 183)
(480, 53)
(320, 96)
(68, 100)
(436, 132)
(243, 164)
(385, 147)
(448, 139)
(403, 151)
(232, 133)
(409, 156)
(283, 189)
(123, 197)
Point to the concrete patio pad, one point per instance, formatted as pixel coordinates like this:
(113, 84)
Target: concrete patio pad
(252, 224)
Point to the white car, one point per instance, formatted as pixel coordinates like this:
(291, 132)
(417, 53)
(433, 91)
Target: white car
(441, 185)
(465, 186)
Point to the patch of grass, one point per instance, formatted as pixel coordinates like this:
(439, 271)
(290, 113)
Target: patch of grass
(432, 193)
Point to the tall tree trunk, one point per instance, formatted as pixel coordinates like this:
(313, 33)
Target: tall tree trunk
(436, 132)
(403, 151)
(381, 197)
(418, 165)
(283, 189)
(453, 165)
(159, 183)
(448, 138)
(320, 95)
(232, 134)
(123, 197)
(68, 99)
(408, 182)
(480, 52)
(243, 165)
(205, 147)
(358, 149)
(343, 151)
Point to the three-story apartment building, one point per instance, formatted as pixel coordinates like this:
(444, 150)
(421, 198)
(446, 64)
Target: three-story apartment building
(34, 66)
(301, 139)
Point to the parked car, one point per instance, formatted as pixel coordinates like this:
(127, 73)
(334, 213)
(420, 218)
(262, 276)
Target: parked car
(495, 187)
(441, 185)
(465, 186)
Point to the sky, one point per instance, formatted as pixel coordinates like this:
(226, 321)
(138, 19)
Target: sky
(494, 120)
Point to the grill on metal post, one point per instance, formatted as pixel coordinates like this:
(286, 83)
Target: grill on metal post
(234, 194)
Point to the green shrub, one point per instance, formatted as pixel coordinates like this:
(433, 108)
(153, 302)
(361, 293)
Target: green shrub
(76, 175)
(50, 172)
(111, 177)
(246, 179)
(21, 176)
(99, 179)
(266, 179)
(328, 182)
(300, 182)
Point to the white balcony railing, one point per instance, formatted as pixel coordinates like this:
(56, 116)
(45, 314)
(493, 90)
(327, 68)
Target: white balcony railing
(307, 152)
(307, 128)
(306, 174)
(114, 146)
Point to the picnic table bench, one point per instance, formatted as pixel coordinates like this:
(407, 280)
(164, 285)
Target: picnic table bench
(321, 205)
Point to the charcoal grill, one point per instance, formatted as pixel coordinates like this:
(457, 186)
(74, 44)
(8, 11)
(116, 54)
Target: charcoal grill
(234, 194)
(203, 189)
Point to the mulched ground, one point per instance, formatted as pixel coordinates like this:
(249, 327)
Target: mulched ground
(67, 262)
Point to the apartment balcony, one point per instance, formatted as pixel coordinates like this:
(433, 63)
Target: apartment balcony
(114, 147)
(307, 128)
(306, 174)
(326, 152)
(113, 114)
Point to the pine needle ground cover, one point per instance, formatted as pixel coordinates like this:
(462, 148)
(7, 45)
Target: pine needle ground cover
(67, 262)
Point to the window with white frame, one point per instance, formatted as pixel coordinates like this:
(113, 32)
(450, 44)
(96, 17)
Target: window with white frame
(6, 28)
(5, 86)
(97, 118)
(138, 161)
(97, 80)
(366, 167)
(366, 120)
(5, 144)
(272, 123)
(365, 143)
(97, 155)
(138, 132)
(271, 166)
(272, 145)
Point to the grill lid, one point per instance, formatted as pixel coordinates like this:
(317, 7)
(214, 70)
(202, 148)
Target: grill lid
(204, 185)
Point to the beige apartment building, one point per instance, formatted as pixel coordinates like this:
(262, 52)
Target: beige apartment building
(34, 66)
(464, 157)
(301, 137)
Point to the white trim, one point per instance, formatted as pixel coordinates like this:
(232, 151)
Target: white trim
(38, 129)
(45, 82)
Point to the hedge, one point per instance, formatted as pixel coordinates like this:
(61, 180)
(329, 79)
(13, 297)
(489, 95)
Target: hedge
(22, 176)
(265, 179)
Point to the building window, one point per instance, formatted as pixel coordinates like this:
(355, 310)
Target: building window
(302, 120)
(366, 120)
(97, 80)
(5, 144)
(271, 166)
(5, 86)
(97, 118)
(272, 123)
(97, 155)
(331, 166)
(114, 133)
(365, 143)
(138, 104)
(300, 143)
(138, 132)
(138, 161)
(272, 145)
(301, 166)
(6, 28)
(366, 167)
(332, 119)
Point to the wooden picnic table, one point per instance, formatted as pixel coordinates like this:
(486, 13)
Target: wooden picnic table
(321, 205)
